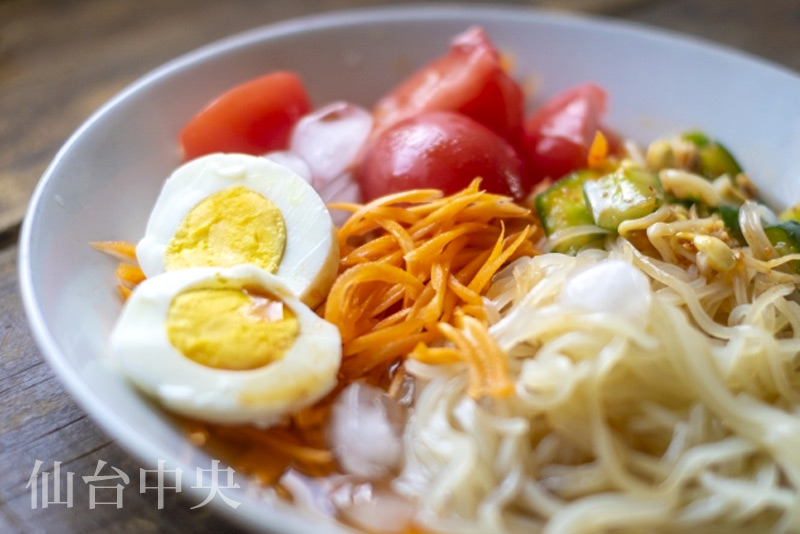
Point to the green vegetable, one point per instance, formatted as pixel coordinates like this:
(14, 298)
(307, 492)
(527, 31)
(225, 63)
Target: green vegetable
(785, 237)
(730, 216)
(715, 159)
(790, 214)
(627, 193)
(697, 138)
(563, 206)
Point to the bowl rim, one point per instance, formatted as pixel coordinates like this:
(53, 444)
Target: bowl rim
(124, 434)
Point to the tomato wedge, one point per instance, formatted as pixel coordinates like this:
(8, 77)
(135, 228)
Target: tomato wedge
(442, 150)
(558, 135)
(254, 118)
(469, 79)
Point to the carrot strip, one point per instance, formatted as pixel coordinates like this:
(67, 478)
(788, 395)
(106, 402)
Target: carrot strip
(433, 310)
(493, 206)
(598, 151)
(491, 358)
(122, 250)
(422, 257)
(495, 261)
(486, 363)
(124, 292)
(467, 353)
(376, 250)
(463, 292)
(369, 220)
(399, 234)
(436, 355)
(417, 195)
(390, 298)
(479, 280)
(130, 275)
(443, 217)
(475, 310)
(468, 271)
(127, 273)
(358, 365)
(343, 206)
(382, 337)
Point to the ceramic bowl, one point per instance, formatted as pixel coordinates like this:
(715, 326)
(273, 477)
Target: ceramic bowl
(104, 181)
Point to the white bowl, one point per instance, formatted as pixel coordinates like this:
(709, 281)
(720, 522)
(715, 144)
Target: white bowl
(105, 179)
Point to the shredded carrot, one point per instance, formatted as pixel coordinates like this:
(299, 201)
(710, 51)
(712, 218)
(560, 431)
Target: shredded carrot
(436, 355)
(124, 292)
(357, 365)
(598, 151)
(413, 271)
(119, 249)
(128, 273)
(268, 452)
(357, 317)
(487, 366)
(490, 357)
(496, 260)
(382, 337)
(463, 292)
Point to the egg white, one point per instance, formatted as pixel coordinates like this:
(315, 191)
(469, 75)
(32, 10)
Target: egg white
(262, 396)
(310, 259)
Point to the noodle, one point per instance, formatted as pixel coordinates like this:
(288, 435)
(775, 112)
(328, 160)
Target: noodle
(682, 420)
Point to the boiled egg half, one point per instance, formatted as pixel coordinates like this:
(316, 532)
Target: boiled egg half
(228, 345)
(223, 210)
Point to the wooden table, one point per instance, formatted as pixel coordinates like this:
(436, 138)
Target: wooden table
(58, 62)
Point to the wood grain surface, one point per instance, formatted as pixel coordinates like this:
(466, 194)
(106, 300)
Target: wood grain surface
(59, 61)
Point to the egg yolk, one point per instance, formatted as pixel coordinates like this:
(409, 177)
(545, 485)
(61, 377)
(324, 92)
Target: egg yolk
(229, 227)
(229, 328)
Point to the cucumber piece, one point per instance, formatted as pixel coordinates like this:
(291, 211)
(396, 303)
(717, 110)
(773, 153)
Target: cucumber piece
(785, 237)
(730, 217)
(563, 206)
(715, 159)
(627, 193)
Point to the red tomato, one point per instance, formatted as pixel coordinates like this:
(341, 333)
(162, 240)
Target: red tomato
(254, 117)
(470, 80)
(559, 134)
(442, 150)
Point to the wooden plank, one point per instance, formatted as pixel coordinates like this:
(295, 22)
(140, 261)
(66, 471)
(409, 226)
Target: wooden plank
(9, 522)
